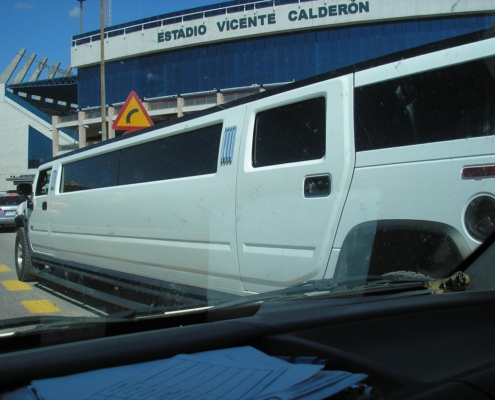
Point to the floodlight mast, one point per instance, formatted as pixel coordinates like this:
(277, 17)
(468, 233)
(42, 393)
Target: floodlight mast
(81, 15)
(102, 73)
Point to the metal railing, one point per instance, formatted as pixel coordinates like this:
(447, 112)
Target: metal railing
(200, 101)
(119, 30)
(161, 105)
(68, 147)
(68, 118)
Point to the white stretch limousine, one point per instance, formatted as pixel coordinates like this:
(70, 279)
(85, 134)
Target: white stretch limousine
(318, 179)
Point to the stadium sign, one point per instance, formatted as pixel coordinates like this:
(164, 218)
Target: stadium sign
(277, 19)
(257, 21)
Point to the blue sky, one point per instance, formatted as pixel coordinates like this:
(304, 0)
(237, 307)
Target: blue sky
(45, 27)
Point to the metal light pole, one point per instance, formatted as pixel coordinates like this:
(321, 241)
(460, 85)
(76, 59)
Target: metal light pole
(102, 67)
(80, 16)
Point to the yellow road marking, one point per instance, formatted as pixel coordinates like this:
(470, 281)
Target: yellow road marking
(15, 286)
(4, 268)
(40, 306)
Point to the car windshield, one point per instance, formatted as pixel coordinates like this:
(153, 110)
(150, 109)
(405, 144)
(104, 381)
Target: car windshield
(227, 158)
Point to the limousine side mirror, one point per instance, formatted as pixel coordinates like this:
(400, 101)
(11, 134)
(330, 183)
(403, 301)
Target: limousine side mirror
(26, 189)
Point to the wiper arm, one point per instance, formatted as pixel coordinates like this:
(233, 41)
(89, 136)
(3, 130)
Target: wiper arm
(44, 322)
(371, 283)
(455, 283)
(359, 283)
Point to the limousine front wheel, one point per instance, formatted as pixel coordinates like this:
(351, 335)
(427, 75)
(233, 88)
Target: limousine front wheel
(22, 256)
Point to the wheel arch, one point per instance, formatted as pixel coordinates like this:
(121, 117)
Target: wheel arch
(384, 246)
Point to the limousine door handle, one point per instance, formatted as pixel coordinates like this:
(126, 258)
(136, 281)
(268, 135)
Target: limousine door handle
(317, 186)
(44, 206)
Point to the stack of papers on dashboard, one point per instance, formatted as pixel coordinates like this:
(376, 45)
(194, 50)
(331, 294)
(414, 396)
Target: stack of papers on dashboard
(236, 373)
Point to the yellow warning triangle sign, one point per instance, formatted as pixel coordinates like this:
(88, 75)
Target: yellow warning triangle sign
(132, 115)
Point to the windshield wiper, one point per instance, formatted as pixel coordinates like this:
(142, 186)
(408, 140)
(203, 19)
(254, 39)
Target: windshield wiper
(356, 285)
(22, 325)
(336, 287)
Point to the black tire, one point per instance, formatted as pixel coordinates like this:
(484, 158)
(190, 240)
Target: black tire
(23, 262)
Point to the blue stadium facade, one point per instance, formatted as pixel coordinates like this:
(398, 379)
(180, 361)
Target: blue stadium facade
(266, 58)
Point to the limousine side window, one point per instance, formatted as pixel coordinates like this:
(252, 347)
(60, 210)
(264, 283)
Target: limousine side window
(291, 133)
(43, 182)
(187, 154)
(91, 173)
(456, 102)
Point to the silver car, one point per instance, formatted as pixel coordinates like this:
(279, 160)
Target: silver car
(8, 206)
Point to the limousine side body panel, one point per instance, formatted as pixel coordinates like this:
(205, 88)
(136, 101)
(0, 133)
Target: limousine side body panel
(290, 196)
(178, 230)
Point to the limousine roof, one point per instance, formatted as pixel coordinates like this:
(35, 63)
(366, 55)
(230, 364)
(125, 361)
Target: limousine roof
(387, 59)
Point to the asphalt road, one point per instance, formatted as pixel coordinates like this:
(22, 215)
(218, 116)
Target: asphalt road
(20, 299)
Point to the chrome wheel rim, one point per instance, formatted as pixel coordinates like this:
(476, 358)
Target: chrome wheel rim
(19, 256)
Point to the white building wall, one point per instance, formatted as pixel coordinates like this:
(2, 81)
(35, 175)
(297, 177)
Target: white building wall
(14, 133)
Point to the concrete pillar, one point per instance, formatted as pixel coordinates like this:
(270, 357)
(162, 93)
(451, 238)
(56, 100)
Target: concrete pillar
(81, 129)
(55, 135)
(110, 130)
(6, 75)
(54, 70)
(180, 105)
(22, 73)
(220, 98)
(39, 69)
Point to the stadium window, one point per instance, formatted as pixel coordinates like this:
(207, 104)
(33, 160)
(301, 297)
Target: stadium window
(367, 31)
(448, 25)
(355, 32)
(322, 37)
(333, 34)
(471, 22)
(344, 33)
(389, 29)
(412, 27)
(310, 37)
(300, 38)
(39, 148)
(400, 27)
(460, 23)
(291, 133)
(435, 25)
(240, 46)
(194, 54)
(424, 26)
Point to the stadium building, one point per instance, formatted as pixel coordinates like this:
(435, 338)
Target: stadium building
(186, 61)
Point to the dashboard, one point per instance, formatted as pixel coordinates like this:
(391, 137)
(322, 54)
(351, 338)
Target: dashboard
(416, 346)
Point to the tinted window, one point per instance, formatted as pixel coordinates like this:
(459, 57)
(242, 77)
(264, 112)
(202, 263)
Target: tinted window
(11, 200)
(91, 173)
(457, 102)
(187, 154)
(43, 182)
(291, 133)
